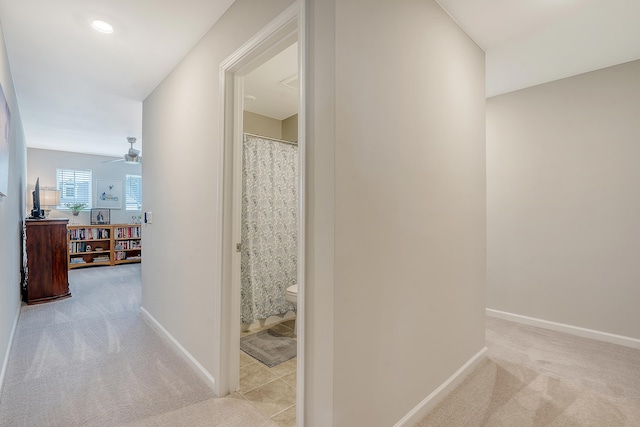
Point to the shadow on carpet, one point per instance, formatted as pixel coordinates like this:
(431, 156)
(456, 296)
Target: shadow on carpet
(269, 347)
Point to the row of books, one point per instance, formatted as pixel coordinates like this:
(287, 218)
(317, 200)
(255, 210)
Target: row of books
(127, 233)
(75, 247)
(79, 260)
(123, 255)
(88, 233)
(128, 244)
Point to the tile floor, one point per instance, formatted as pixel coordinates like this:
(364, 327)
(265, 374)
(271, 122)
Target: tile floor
(271, 390)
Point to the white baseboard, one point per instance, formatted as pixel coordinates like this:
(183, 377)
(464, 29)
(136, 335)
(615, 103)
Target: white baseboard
(5, 363)
(430, 402)
(197, 367)
(567, 329)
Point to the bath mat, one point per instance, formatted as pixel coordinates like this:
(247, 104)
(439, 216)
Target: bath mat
(269, 347)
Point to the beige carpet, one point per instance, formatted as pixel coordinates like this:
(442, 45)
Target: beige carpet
(92, 360)
(535, 377)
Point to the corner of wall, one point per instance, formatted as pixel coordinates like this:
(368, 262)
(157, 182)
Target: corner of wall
(186, 356)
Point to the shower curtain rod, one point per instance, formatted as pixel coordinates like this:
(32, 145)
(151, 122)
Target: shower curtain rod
(272, 139)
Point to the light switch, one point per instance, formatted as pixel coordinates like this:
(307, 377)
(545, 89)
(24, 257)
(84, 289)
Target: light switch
(148, 217)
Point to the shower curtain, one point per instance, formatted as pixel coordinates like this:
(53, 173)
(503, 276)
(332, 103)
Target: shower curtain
(269, 257)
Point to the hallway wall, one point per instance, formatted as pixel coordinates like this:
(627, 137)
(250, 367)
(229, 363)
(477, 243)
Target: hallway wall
(12, 214)
(396, 208)
(563, 201)
(181, 183)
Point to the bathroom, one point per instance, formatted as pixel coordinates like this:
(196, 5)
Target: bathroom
(270, 201)
(269, 237)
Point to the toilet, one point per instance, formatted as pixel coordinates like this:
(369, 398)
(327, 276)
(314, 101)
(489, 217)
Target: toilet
(292, 297)
(292, 294)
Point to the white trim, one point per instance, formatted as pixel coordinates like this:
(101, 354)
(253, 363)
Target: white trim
(5, 364)
(232, 381)
(260, 45)
(302, 220)
(197, 367)
(222, 305)
(567, 329)
(430, 402)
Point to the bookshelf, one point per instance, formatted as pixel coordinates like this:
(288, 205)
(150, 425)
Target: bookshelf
(127, 244)
(95, 245)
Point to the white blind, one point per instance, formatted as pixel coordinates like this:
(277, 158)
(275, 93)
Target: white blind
(133, 192)
(74, 186)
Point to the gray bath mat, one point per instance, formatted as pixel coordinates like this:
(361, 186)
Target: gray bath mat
(269, 347)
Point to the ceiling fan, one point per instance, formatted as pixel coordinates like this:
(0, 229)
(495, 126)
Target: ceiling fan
(132, 156)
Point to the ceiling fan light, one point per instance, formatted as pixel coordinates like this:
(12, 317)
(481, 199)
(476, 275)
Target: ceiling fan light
(131, 159)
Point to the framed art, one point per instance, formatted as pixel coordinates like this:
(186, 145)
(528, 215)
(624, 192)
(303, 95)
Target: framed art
(100, 216)
(5, 120)
(109, 194)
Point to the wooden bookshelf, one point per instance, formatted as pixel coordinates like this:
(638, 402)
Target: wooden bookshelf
(95, 245)
(127, 241)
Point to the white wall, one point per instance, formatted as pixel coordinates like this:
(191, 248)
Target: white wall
(563, 201)
(396, 205)
(180, 185)
(12, 214)
(43, 164)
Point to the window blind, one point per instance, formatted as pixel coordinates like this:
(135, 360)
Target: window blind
(133, 192)
(74, 186)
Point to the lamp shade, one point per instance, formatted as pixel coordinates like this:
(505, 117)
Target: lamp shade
(49, 197)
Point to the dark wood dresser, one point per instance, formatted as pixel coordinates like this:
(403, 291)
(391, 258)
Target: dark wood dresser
(46, 273)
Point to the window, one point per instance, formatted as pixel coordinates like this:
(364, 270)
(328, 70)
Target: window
(133, 192)
(74, 186)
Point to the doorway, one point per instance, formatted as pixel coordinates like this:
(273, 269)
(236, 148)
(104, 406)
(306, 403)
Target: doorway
(276, 38)
(269, 236)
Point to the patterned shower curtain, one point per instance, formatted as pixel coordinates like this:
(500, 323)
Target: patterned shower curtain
(269, 257)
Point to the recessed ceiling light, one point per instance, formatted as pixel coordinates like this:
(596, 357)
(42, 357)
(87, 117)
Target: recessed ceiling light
(102, 26)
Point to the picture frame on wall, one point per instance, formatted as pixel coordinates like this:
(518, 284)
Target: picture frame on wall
(108, 194)
(100, 216)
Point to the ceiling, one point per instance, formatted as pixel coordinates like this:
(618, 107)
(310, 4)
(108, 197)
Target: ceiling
(272, 89)
(82, 91)
(529, 42)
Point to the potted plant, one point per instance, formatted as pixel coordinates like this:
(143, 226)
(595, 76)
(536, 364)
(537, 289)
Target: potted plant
(75, 207)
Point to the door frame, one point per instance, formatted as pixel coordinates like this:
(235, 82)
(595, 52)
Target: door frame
(278, 34)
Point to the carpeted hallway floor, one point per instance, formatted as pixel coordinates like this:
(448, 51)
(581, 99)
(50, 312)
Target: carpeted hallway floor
(92, 360)
(537, 378)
